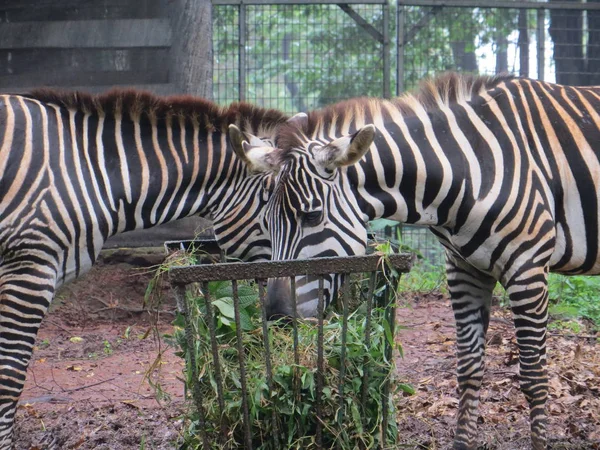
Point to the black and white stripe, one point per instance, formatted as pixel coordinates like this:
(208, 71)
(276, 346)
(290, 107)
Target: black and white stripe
(505, 171)
(76, 169)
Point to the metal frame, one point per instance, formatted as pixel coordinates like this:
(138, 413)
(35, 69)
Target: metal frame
(501, 4)
(299, 2)
(404, 36)
(180, 277)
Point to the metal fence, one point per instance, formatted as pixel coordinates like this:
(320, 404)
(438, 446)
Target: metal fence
(212, 435)
(303, 54)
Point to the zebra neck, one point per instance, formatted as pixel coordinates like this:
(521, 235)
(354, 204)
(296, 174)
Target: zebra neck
(417, 174)
(160, 171)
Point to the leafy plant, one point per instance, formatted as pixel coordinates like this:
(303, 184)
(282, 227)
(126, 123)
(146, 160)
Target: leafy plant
(574, 297)
(288, 409)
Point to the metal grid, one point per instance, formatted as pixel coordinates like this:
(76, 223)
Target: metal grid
(300, 57)
(259, 272)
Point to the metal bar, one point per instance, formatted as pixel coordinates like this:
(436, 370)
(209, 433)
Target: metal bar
(541, 43)
(386, 52)
(242, 51)
(217, 364)
(402, 262)
(298, 2)
(365, 377)
(523, 43)
(502, 4)
(189, 337)
(374, 32)
(385, 395)
(320, 365)
(240, 350)
(342, 374)
(268, 367)
(400, 49)
(296, 385)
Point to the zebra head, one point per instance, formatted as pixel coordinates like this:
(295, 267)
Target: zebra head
(238, 214)
(312, 211)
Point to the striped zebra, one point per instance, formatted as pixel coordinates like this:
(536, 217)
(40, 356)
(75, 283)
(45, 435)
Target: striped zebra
(76, 169)
(505, 171)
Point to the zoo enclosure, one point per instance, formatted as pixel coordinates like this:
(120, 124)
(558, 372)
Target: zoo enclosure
(303, 54)
(181, 277)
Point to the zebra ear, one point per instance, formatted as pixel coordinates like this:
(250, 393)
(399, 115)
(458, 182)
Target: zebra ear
(237, 139)
(257, 154)
(300, 120)
(348, 150)
(261, 158)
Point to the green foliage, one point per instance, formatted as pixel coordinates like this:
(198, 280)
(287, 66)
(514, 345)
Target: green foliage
(298, 57)
(424, 277)
(573, 297)
(292, 401)
(302, 57)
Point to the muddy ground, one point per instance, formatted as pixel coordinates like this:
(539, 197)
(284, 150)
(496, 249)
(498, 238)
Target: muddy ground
(90, 383)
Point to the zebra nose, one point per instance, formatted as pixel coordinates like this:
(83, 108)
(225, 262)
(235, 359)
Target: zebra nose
(279, 299)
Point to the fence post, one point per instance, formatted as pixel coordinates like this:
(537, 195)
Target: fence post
(541, 47)
(242, 51)
(189, 338)
(399, 48)
(386, 51)
(523, 43)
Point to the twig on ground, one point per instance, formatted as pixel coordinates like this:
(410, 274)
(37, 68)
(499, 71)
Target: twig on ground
(80, 388)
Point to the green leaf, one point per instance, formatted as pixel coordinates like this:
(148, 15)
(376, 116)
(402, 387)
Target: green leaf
(225, 308)
(406, 388)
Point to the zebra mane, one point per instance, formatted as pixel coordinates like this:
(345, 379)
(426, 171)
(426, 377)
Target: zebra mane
(443, 90)
(134, 103)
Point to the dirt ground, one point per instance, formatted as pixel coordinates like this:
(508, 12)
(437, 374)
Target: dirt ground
(89, 383)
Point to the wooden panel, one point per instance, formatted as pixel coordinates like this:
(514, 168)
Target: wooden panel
(32, 10)
(158, 89)
(182, 229)
(86, 34)
(158, 75)
(21, 61)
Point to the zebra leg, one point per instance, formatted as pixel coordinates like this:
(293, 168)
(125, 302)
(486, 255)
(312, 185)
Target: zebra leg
(471, 295)
(528, 295)
(26, 289)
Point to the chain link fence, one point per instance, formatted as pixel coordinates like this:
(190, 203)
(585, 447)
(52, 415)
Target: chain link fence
(303, 54)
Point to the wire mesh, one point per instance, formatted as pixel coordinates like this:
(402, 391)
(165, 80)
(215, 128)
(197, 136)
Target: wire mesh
(299, 57)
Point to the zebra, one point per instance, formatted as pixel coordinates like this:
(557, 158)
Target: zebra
(76, 168)
(506, 173)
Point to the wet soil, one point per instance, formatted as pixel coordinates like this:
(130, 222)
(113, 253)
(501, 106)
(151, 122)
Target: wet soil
(427, 418)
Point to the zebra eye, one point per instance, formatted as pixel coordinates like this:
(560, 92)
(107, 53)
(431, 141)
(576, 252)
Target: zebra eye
(310, 218)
